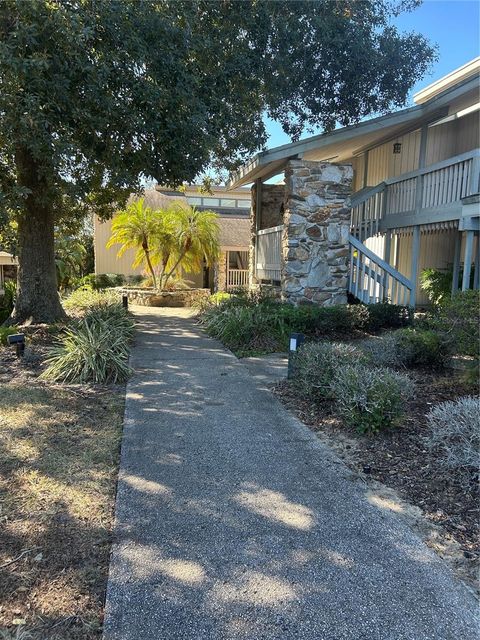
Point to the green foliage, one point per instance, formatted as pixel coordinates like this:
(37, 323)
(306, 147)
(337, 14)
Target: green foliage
(421, 348)
(94, 349)
(370, 399)
(70, 254)
(388, 316)
(316, 363)
(7, 302)
(5, 332)
(88, 108)
(458, 320)
(86, 299)
(436, 284)
(454, 437)
(103, 280)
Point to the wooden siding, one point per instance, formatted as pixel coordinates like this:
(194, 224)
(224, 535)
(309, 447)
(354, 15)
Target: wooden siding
(436, 252)
(443, 141)
(106, 260)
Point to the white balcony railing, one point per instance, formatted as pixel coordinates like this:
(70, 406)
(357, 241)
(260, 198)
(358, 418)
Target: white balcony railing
(268, 253)
(430, 190)
(237, 278)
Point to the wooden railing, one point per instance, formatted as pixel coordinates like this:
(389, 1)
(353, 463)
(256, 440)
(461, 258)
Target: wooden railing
(430, 189)
(237, 278)
(268, 253)
(373, 280)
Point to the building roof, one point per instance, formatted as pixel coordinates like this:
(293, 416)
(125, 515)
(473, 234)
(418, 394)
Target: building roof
(7, 258)
(234, 232)
(344, 143)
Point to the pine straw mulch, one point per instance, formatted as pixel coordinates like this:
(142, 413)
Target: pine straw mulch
(59, 451)
(399, 459)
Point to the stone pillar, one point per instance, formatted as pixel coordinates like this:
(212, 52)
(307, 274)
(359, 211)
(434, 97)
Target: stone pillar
(220, 278)
(315, 239)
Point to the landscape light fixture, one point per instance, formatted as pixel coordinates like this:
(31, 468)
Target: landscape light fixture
(296, 340)
(125, 302)
(18, 339)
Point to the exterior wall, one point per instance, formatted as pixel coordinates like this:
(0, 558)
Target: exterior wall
(271, 215)
(106, 260)
(443, 141)
(315, 242)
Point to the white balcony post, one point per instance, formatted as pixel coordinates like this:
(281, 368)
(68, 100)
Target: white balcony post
(456, 261)
(467, 260)
(258, 213)
(414, 270)
(476, 277)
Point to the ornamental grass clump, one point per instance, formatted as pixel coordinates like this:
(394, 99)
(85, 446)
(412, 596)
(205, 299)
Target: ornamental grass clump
(454, 438)
(370, 399)
(315, 365)
(85, 299)
(94, 349)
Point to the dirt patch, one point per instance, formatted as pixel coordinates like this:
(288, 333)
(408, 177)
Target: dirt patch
(398, 459)
(59, 451)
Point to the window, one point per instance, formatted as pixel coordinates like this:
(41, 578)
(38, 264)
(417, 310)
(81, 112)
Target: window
(211, 202)
(243, 204)
(227, 203)
(193, 200)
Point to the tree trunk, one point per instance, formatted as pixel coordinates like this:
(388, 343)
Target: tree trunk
(37, 297)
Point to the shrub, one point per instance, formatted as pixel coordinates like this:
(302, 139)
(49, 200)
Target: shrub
(85, 299)
(454, 437)
(95, 349)
(421, 348)
(388, 316)
(315, 364)
(370, 399)
(436, 284)
(245, 328)
(103, 280)
(8, 299)
(5, 332)
(458, 320)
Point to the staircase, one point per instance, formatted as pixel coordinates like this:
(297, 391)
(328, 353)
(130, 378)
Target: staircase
(374, 280)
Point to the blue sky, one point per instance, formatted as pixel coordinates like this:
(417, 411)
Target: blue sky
(454, 25)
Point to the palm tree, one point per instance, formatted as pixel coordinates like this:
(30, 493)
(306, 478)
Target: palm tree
(137, 228)
(195, 239)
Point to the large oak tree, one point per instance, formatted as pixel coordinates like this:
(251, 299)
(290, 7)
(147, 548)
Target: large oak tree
(96, 95)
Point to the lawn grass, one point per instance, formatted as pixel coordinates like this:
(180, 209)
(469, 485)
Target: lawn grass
(59, 452)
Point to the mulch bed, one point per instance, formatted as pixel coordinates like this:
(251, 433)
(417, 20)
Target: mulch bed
(399, 459)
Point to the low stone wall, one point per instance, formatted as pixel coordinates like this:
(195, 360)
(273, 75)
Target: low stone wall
(150, 298)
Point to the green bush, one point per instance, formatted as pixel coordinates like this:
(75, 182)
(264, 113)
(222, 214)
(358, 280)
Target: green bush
(458, 320)
(94, 349)
(388, 316)
(421, 348)
(436, 284)
(7, 302)
(85, 299)
(103, 280)
(453, 435)
(244, 329)
(370, 399)
(5, 332)
(315, 364)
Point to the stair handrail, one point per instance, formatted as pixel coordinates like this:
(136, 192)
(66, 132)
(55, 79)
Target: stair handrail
(381, 263)
(361, 196)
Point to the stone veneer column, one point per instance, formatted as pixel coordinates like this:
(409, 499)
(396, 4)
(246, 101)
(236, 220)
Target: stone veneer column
(220, 277)
(315, 239)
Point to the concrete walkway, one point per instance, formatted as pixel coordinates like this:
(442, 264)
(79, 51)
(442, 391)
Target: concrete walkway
(234, 522)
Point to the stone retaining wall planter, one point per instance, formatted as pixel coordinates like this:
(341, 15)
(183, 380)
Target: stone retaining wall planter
(151, 298)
